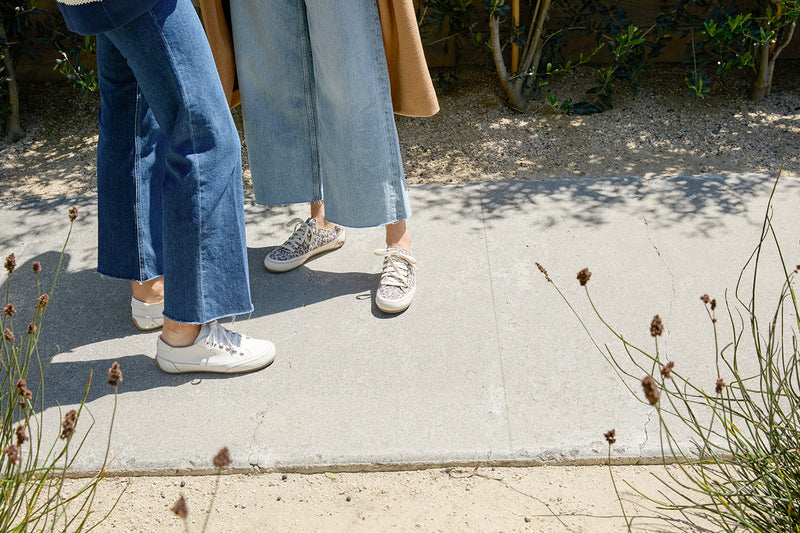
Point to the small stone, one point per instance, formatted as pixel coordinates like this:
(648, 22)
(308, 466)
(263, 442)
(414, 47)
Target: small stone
(243, 506)
(527, 519)
(278, 499)
(183, 483)
(348, 498)
(284, 477)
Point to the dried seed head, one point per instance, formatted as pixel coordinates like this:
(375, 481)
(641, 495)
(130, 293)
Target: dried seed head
(41, 303)
(22, 388)
(656, 326)
(9, 310)
(13, 453)
(37, 267)
(651, 391)
(73, 213)
(544, 271)
(32, 329)
(705, 299)
(180, 508)
(22, 436)
(583, 276)
(611, 436)
(223, 458)
(9, 336)
(720, 385)
(114, 374)
(713, 304)
(68, 425)
(11, 263)
(666, 370)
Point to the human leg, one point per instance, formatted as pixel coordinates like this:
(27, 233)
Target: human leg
(359, 149)
(201, 209)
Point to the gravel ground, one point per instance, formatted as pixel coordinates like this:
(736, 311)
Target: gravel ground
(661, 131)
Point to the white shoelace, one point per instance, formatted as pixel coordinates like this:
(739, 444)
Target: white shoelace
(225, 339)
(302, 234)
(400, 270)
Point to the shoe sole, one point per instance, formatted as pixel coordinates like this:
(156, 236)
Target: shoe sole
(152, 328)
(171, 367)
(286, 266)
(395, 306)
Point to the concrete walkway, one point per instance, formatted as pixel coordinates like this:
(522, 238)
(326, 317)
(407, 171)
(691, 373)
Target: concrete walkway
(487, 366)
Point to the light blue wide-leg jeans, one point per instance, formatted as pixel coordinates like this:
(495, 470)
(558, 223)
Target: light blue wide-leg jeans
(169, 180)
(317, 108)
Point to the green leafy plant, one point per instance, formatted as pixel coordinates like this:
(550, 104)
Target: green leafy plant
(32, 496)
(26, 30)
(742, 468)
(541, 45)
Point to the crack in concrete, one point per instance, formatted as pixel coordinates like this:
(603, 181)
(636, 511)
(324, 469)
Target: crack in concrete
(646, 433)
(666, 266)
(254, 453)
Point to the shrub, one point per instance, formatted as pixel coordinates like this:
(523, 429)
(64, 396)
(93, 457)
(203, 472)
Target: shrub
(527, 42)
(26, 30)
(742, 470)
(31, 488)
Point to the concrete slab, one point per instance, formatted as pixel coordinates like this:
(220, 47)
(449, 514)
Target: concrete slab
(488, 365)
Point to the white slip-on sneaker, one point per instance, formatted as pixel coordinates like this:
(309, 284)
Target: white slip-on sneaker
(307, 240)
(398, 280)
(216, 350)
(146, 316)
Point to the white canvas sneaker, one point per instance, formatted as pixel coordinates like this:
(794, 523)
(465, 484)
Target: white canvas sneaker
(398, 280)
(147, 317)
(216, 350)
(307, 240)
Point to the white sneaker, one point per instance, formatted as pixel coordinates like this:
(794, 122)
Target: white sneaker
(145, 316)
(398, 280)
(216, 350)
(306, 241)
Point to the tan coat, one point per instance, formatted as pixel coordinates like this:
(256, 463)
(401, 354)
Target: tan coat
(412, 89)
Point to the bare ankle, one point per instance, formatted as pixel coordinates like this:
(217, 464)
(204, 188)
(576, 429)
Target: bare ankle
(149, 292)
(179, 334)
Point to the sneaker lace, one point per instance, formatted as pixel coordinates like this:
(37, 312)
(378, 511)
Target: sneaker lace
(396, 267)
(302, 234)
(225, 339)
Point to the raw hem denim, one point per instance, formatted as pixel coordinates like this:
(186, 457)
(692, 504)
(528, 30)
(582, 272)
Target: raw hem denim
(169, 183)
(317, 108)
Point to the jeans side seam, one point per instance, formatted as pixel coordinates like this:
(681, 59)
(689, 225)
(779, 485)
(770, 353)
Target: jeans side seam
(308, 66)
(390, 129)
(198, 205)
(136, 171)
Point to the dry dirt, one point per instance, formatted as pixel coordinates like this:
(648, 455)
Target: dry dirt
(475, 137)
(536, 499)
(661, 131)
